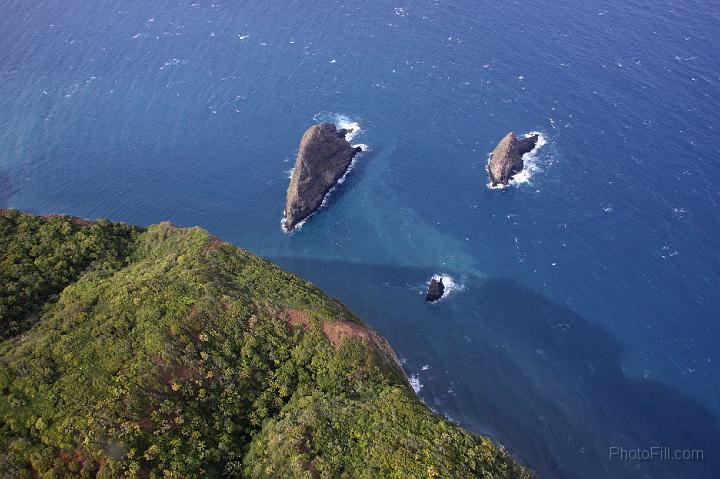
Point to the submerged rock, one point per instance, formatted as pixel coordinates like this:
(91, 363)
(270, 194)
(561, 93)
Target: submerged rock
(323, 159)
(435, 290)
(506, 160)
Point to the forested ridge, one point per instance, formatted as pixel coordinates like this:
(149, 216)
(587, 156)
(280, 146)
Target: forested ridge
(164, 352)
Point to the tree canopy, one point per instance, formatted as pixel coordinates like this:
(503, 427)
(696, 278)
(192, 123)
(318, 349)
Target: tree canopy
(168, 353)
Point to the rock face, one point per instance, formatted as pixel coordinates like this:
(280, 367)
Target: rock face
(323, 159)
(506, 160)
(435, 290)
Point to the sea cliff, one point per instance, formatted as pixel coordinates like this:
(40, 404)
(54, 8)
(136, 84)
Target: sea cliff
(165, 352)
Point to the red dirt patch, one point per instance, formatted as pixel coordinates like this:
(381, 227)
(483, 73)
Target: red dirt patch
(303, 448)
(169, 372)
(147, 423)
(72, 456)
(335, 331)
(212, 244)
(298, 317)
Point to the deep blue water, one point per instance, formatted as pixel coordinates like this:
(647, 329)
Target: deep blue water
(587, 313)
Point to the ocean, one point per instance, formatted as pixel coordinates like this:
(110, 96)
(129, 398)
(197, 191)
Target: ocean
(584, 316)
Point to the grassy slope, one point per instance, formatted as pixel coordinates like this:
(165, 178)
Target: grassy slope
(169, 354)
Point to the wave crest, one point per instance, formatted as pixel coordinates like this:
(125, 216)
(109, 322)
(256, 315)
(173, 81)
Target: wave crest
(342, 122)
(530, 161)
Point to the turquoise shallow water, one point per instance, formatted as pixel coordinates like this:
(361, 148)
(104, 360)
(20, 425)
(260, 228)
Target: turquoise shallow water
(586, 310)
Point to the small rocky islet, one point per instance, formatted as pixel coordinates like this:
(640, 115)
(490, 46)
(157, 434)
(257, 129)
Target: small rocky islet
(325, 155)
(323, 158)
(436, 289)
(506, 160)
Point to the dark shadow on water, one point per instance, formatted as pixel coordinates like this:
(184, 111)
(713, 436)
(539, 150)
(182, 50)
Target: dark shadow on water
(507, 362)
(353, 177)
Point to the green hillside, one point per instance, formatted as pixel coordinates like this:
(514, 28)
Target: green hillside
(168, 353)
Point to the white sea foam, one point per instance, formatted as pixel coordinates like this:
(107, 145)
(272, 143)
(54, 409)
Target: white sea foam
(450, 285)
(531, 164)
(415, 383)
(499, 186)
(298, 226)
(530, 161)
(341, 122)
(172, 62)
